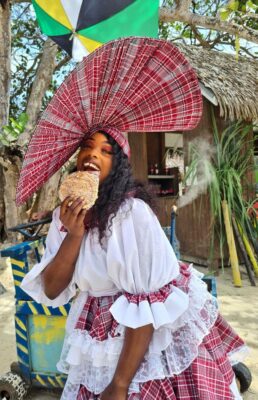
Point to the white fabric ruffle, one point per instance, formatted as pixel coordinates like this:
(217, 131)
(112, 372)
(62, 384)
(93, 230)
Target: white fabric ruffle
(33, 285)
(173, 348)
(158, 314)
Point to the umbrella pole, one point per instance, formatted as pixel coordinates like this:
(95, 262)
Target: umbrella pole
(231, 246)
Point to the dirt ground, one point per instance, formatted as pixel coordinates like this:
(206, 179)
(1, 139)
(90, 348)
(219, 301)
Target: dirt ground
(238, 305)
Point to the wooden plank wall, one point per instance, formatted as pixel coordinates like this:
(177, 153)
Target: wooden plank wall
(194, 220)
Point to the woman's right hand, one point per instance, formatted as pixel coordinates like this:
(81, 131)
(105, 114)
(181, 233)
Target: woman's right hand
(72, 216)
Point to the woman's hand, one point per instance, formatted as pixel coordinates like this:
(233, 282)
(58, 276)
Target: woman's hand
(114, 392)
(72, 216)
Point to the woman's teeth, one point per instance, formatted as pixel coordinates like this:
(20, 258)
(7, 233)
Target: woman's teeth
(91, 167)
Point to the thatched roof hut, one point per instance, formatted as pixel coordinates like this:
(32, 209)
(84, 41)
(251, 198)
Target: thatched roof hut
(233, 83)
(230, 90)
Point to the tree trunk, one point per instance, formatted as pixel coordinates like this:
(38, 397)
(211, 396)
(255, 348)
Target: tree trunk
(2, 208)
(11, 165)
(5, 63)
(5, 76)
(40, 85)
(47, 197)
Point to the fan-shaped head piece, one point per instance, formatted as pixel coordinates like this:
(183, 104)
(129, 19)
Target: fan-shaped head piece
(129, 85)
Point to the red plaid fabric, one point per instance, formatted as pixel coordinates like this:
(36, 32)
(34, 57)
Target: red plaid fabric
(96, 317)
(207, 378)
(127, 85)
(209, 375)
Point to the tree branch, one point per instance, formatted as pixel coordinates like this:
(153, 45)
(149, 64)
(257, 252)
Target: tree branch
(41, 83)
(182, 14)
(199, 37)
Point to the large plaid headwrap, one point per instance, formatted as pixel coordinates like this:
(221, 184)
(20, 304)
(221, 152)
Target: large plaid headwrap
(128, 85)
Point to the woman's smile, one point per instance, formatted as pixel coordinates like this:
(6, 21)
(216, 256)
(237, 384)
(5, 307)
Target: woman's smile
(96, 155)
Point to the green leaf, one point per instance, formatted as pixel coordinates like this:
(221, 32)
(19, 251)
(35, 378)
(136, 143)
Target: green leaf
(224, 14)
(4, 142)
(233, 5)
(251, 5)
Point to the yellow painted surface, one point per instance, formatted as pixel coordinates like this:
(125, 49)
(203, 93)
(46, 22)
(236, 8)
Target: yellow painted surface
(48, 329)
(18, 273)
(41, 381)
(46, 309)
(51, 381)
(63, 311)
(17, 262)
(59, 381)
(46, 335)
(20, 324)
(33, 308)
(22, 348)
(21, 335)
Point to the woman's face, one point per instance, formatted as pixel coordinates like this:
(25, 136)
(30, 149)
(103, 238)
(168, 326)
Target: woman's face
(96, 153)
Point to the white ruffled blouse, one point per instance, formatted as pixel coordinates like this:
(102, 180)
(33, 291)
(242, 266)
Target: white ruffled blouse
(136, 258)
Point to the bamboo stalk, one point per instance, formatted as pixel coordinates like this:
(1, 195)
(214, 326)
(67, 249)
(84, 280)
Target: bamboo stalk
(249, 251)
(253, 240)
(231, 246)
(248, 264)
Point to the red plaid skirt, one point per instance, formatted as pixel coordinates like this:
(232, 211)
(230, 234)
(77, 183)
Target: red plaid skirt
(207, 378)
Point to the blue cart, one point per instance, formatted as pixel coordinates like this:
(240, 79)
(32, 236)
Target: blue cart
(39, 331)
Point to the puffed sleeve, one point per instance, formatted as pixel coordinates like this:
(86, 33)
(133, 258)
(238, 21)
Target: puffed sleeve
(32, 283)
(142, 264)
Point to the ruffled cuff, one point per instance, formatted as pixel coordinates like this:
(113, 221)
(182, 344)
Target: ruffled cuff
(159, 308)
(33, 285)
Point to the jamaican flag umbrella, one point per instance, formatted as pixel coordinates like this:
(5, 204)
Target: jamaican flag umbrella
(80, 26)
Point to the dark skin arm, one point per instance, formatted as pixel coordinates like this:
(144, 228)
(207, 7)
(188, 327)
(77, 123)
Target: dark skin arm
(135, 346)
(58, 274)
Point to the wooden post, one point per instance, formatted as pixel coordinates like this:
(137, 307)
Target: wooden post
(139, 163)
(231, 246)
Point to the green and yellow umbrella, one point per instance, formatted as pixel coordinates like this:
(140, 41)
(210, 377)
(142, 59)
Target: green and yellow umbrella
(80, 26)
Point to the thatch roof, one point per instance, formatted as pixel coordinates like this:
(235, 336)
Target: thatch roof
(234, 83)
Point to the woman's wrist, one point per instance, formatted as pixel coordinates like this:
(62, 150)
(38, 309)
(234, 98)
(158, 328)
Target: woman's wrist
(75, 236)
(120, 381)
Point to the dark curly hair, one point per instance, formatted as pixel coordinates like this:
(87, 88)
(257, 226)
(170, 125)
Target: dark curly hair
(117, 187)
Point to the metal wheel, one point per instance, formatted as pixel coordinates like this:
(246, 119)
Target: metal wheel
(12, 387)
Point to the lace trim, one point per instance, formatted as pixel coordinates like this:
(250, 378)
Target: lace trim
(238, 355)
(173, 347)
